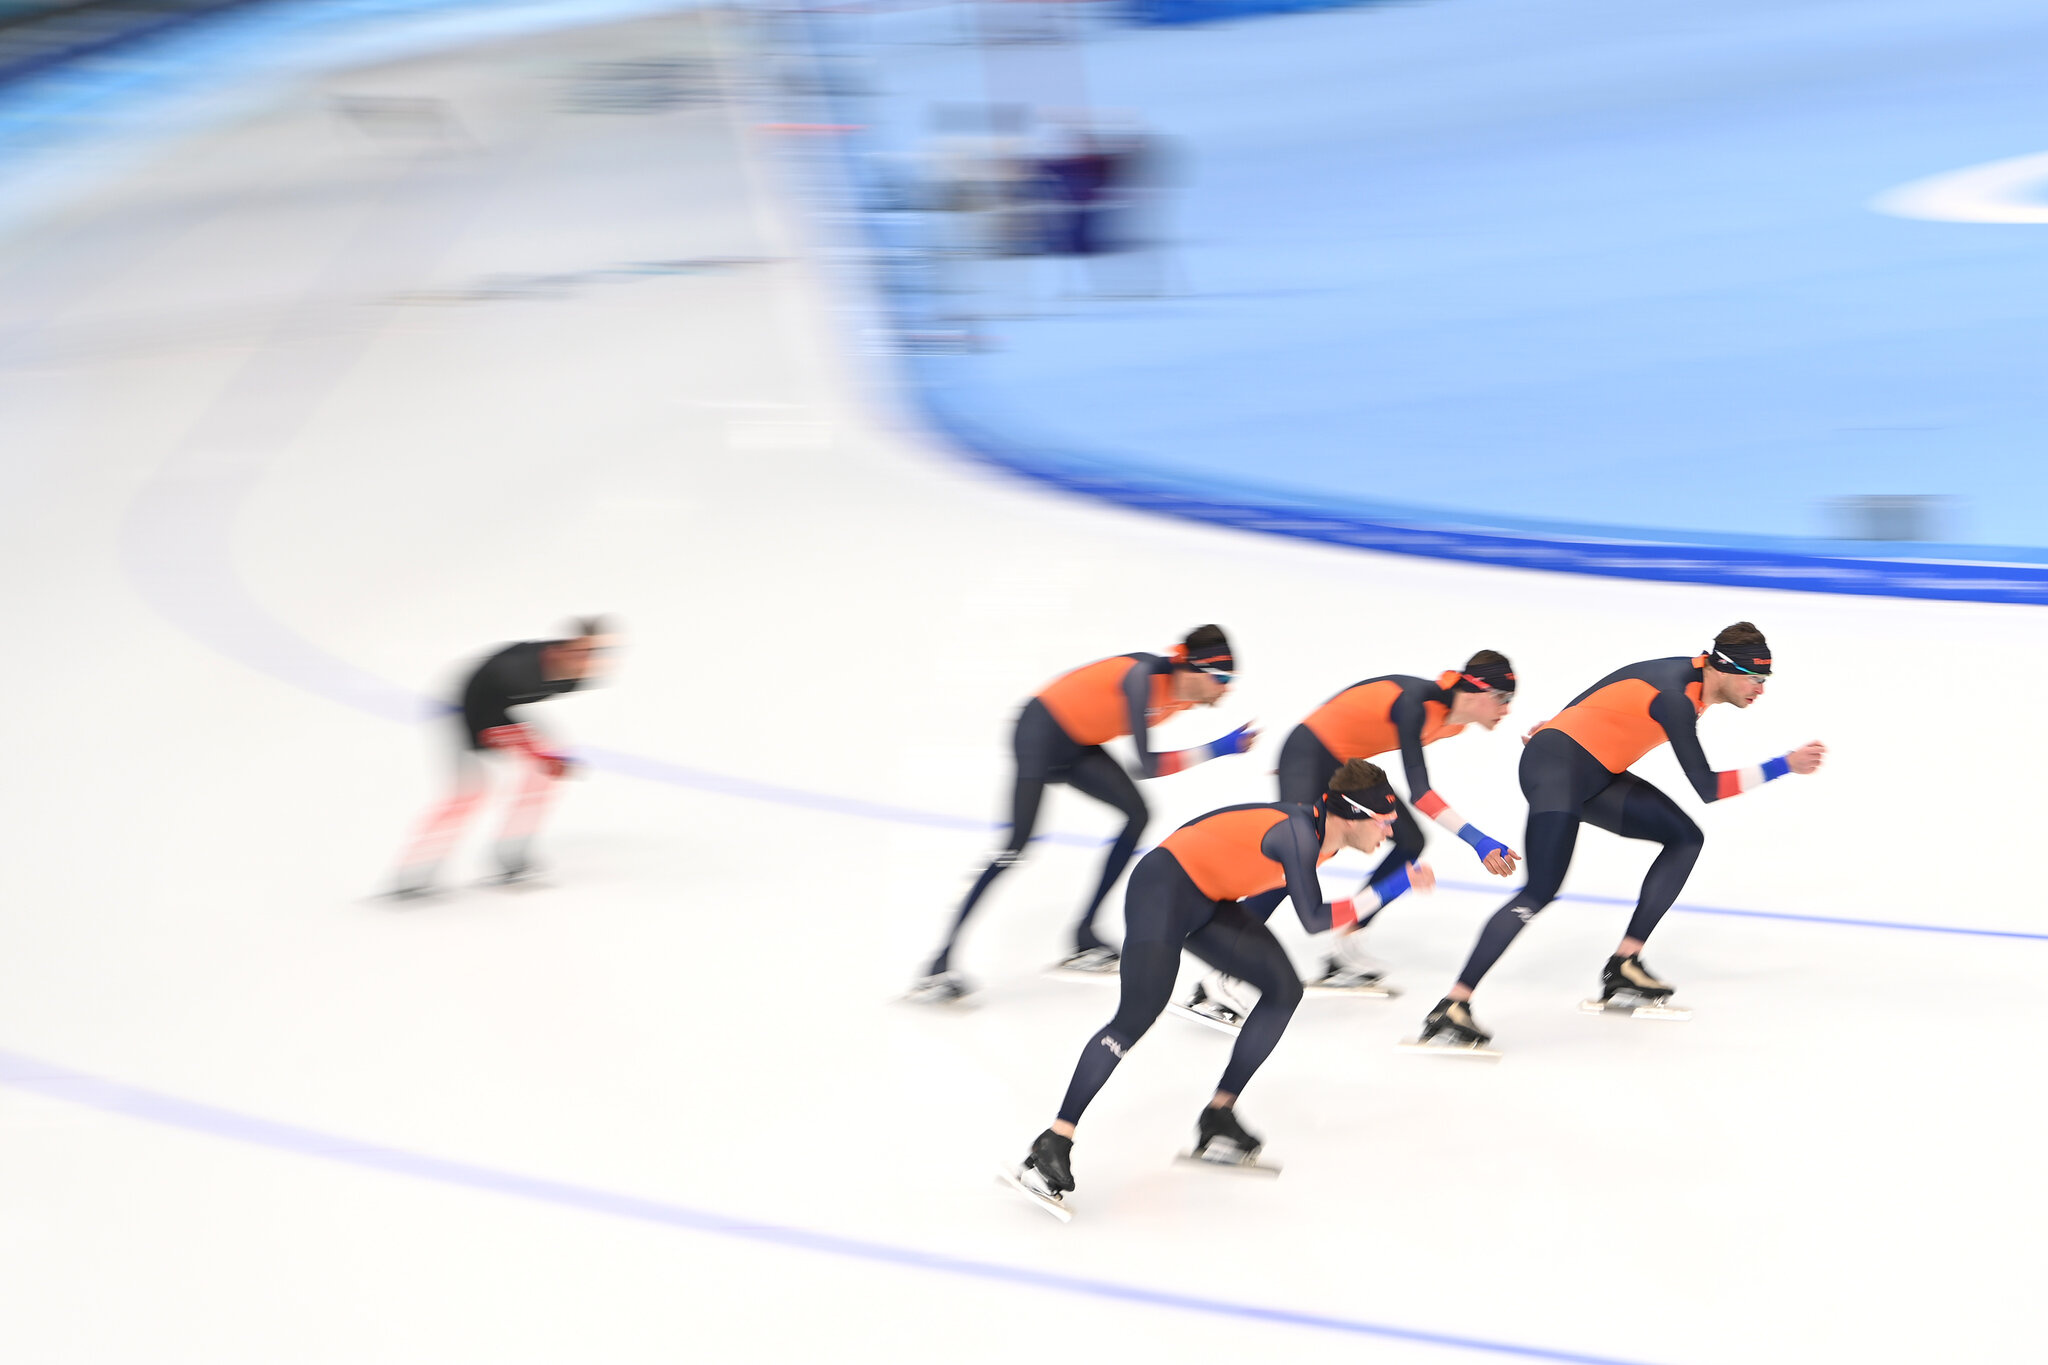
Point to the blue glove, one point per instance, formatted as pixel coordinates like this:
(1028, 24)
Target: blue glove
(1481, 845)
(1236, 742)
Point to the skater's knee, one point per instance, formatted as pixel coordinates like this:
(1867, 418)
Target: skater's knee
(1274, 978)
(1282, 990)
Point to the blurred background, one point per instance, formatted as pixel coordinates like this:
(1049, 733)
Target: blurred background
(869, 365)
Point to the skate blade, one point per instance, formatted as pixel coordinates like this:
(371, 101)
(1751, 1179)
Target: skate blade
(1220, 1025)
(531, 881)
(1484, 1054)
(1242, 1165)
(1675, 1013)
(405, 900)
(1374, 992)
(970, 1001)
(1051, 1203)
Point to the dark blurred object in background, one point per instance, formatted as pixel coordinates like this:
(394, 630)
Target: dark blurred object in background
(1893, 516)
(40, 33)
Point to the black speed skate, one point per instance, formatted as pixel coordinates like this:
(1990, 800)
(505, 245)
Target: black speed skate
(1631, 978)
(1047, 1173)
(1452, 1021)
(1627, 984)
(1100, 962)
(1220, 1140)
(1450, 1028)
(1216, 1002)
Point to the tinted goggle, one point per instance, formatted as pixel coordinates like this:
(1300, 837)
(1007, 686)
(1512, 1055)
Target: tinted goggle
(1216, 671)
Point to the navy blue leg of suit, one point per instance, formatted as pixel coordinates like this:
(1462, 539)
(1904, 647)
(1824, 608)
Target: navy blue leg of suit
(1566, 786)
(1165, 912)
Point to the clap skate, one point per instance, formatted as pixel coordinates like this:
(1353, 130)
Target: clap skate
(1220, 1140)
(1218, 1001)
(941, 988)
(1627, 986)
(1046, 1175)
(1342, 978)
(1451, 1030)
(1098, 963)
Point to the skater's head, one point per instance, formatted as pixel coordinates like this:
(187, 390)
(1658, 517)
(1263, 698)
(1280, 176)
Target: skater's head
(1484, 691)
(582, 655)
(1737, 665)
(1203, 666)
(1359, 806)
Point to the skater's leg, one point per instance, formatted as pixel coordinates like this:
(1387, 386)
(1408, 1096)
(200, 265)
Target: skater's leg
(1635, 809)
(1558, 777)
(1548, 845)
(1098, 775)
(1039, 745)
(1237, 945)
(530, 802)
(1305, 767)
(1159, 907)
(438, 830)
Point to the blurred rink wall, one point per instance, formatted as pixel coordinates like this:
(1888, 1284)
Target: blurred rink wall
(1565, 286)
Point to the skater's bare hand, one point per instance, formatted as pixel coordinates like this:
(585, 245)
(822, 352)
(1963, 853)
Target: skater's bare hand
(1806, 758)
(1532, 731)
(1421, 877)
(1501, 862)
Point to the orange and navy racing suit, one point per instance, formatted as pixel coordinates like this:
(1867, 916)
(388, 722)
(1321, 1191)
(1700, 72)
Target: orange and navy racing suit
(1575, 770)
(1059, 738)
(1207, 889)
(1365, 720)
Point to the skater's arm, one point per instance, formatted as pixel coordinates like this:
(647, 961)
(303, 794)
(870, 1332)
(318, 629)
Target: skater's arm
(1409, 716)
(1681, 725)
(1293, 844)
(524, 739)
(1138, 695)
(1138, 702)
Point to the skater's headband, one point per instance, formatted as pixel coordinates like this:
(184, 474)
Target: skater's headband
(1754, 660)
(1498, 677)
(1359, 805)
(1215, 660)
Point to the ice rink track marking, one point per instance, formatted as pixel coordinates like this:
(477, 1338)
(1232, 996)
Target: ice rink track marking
(111, 1097)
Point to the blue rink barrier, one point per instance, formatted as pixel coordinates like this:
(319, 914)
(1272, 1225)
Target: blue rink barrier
(1720, 565)
(1163, 13)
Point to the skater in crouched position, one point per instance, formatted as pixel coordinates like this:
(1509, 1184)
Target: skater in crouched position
(1575, 770)
(1365, 720)
(516, 675)
(1207, 889)
(1059, 738)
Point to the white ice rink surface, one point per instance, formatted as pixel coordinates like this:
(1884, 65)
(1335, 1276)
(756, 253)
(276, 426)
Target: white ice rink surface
(292, 422)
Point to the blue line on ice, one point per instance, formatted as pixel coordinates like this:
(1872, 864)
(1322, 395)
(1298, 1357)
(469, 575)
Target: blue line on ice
(93, 1092)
